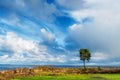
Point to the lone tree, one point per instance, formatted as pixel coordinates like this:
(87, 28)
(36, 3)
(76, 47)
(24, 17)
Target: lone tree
(84, 55)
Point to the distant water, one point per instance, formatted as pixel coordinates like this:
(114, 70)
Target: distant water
(10, 67)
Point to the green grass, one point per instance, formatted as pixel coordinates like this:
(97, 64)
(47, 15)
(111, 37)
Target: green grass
(75, 77)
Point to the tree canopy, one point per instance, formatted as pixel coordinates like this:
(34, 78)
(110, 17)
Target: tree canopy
(84, 55)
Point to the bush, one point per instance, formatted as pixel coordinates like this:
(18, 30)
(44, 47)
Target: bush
(99, 68)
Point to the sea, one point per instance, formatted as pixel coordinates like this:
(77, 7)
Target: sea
(12, 67)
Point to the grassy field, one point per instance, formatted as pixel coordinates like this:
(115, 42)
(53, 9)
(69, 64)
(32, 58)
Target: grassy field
(75, 77)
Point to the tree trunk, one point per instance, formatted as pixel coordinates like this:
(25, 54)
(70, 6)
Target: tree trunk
(84, 64)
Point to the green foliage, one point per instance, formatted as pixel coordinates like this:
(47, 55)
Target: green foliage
(84, 55)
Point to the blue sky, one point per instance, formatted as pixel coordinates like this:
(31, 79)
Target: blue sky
(50, 32)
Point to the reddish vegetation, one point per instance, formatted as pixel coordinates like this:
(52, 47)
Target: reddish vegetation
(47, 70)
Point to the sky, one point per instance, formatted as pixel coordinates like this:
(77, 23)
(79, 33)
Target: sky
(51, 32)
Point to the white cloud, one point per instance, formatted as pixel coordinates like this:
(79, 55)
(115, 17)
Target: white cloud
(4, 56)
(61, 58)
(98, 56)
(76, 27)
(25, 50)
(102, 32)
(77, 4)
(20, 3)
(75, 59)
(40, 8)
(12, 20)
(47, 35)
(99, 9)
(18, 44)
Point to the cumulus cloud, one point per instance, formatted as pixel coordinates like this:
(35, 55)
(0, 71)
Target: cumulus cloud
(19, 45)
(25, 50)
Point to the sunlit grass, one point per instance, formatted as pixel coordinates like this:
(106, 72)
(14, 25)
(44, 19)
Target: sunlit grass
(74, 77)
